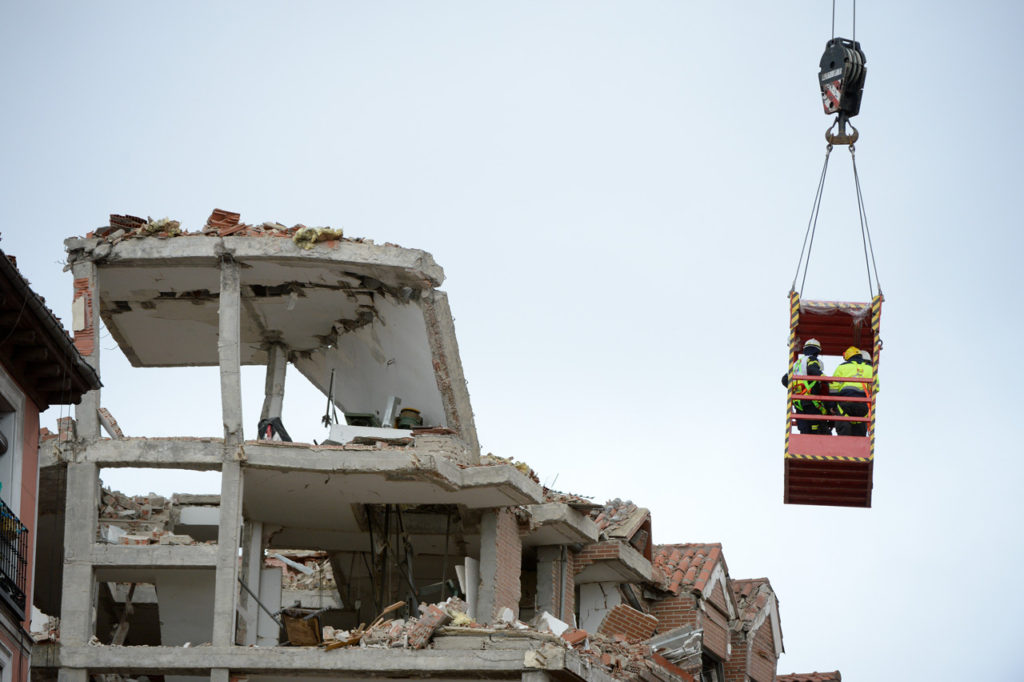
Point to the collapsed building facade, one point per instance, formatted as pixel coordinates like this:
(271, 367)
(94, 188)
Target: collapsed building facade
(418, 556)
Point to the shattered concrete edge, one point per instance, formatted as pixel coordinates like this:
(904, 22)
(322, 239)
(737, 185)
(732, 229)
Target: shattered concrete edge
(418, 266)
(451, 380)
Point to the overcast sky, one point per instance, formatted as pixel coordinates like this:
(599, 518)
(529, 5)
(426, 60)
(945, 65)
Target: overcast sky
(618, 194)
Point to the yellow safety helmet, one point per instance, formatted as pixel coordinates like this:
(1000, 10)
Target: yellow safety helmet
(850, 352)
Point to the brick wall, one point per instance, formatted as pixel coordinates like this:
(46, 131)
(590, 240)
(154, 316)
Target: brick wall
(716, 631)
(625, 620)
(718, 598)
(507, 589)
(599, 551)
(736, 665)
(85, 338)
(569, 595)
(675, 611)
(762, 655)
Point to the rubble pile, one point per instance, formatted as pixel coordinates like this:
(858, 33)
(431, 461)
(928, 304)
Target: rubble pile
(491, 459)
(221, 223)
(139, 520)
(302, 569)
(46, 629)
(405, 633)
(613, 512)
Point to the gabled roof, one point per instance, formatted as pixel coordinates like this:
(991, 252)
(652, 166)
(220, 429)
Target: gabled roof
(833, 676)
(35, 348)
(688, 566)
(756, 603)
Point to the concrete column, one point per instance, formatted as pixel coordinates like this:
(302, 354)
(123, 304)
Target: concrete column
(267, 629)
(501, 555)
(472, 568)
(225, 599)
(252, 561)
(596, 600)
(85, 323)
(78, 585)
(220, 675)
(277, 364)
(555, 585)
(229, 351)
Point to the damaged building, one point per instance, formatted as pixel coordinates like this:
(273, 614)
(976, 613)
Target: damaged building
(402, 551)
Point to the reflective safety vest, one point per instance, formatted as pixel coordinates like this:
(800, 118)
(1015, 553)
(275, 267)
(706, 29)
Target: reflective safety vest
(803, 386)
(852, 369)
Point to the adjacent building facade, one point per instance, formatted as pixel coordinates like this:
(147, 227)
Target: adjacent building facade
(39, 367)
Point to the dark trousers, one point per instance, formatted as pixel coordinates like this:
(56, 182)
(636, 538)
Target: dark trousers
(815, 426)
(852, 410)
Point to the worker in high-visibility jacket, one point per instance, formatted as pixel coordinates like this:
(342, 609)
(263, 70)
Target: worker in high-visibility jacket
(809, 366)
(854, 366)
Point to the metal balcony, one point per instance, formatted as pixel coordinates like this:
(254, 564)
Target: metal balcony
(13, 559)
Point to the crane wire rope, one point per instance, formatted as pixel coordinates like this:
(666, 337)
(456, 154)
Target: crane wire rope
(812, 224)
(854, 20)
(865, 231)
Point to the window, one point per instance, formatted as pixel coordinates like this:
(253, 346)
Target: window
(711, 669)
(12, 406)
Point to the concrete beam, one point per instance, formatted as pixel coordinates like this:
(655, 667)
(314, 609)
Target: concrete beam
(417, 268)
(478, 487)
(154, 556)
(517, 487)
(334, 459)
(353, 662)
(199, 454)
(72, 675)
(560, 524)
(629, 566)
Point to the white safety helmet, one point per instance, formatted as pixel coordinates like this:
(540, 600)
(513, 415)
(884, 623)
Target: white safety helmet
(812, 343)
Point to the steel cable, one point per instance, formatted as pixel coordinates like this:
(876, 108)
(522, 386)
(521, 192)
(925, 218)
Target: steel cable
(865, 230)
(812, 224)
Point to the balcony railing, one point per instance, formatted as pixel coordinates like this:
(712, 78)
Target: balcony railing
(13, 559)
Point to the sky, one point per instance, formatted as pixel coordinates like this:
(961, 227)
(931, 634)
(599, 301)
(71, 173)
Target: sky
(618, 192)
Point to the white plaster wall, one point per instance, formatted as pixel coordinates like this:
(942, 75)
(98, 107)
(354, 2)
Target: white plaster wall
(596, 600)
(270, 594)
(186, 606)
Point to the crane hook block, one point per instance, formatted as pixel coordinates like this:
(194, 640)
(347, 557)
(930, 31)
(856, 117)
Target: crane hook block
(842, 77)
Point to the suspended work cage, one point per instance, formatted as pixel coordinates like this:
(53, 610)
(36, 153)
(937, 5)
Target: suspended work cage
(820, 468)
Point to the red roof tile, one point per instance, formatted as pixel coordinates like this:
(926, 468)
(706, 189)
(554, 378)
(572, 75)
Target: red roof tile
(688, 565)
(618, 519)
(833, 676)
(751, 596)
